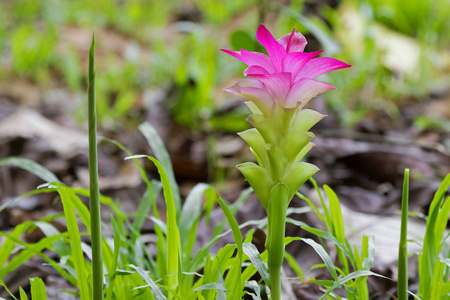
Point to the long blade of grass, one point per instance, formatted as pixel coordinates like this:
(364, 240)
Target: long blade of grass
(324, 255)
(38, 289)
(161, 154)
(437, 280)
(34, 249)
(7, 290)
(351, 276)
(75, 243)
(8, 245)
(402, 283)
(191, 210)
(255, 257)
(156, 291)
(112, 277)
(23, 295)
(173, 235)
(294, 265)
(31, 167)
(233, 279)
(432, 239)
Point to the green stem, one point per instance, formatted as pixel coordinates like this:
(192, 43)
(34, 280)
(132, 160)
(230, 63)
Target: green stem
(276, 214)
(96, 232)
(402, 284)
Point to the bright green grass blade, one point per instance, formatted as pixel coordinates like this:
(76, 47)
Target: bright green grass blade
(23, 295)
(191, 211)
(31, 167)
(173, 236)
(161, 154)
(324, 255)
(233, 209)
(212, 286)
(294, 266)
(75, 242)
(7, 290)
(351, 276)
(154, 288)
(233, 279)
(255, 257)
(432, 239)
(326, 217)
(8, 245)
(337, 224)
(437, 281)
(251, 269)
(78, 205)
(212, 268)
(336, 214)
(112, 275)
(38, 289)
(103, 199)
(34, 249)
(402, 282)
(328, 237)
(198, 261)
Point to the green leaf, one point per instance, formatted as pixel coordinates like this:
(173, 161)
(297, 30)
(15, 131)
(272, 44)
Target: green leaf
(31, 167)
(34, 249)
(75, 242)
(154, 288)
(233, 279)
(191, 210)
(351, 276)
(38, 289)
(337, 221)
(402, 282)
(294, 265)
(254, 256)
(161, 154)
(23, 295)
(7, 290)
(324, 255)
(173, 236)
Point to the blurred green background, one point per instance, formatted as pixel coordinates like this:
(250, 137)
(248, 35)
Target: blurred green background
(148, 50)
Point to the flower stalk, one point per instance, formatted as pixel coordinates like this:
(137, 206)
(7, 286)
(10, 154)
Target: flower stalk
(94, 202)
(280, 85)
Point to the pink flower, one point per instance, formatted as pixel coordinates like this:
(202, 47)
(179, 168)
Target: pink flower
(286, 76)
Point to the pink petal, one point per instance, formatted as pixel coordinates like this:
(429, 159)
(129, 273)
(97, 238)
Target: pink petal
(278, 84)
(236, 54)
(252, 58)
(318, 66)
(244, 83)
(257, 59)
(274, 49)
(303, 90)
(255, 70)
(293, 42)
(294, 61)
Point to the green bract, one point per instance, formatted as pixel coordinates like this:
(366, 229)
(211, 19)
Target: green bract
(279, 141)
